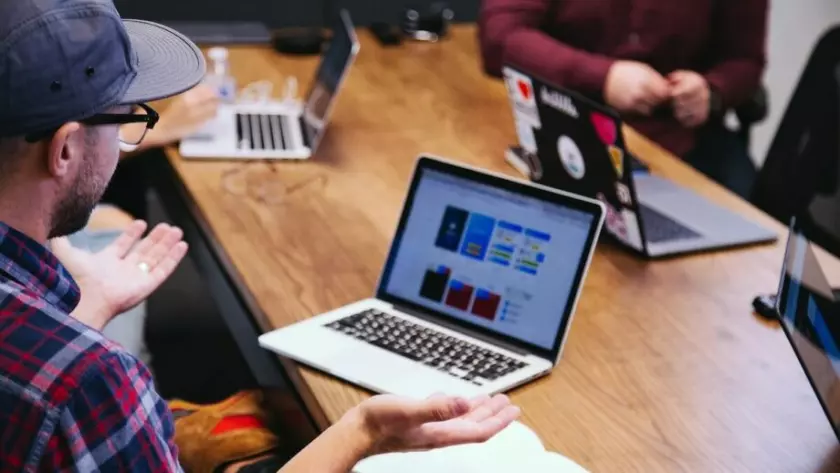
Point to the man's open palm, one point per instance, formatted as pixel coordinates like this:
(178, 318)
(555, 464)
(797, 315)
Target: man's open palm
(401, 424)
(124, 273)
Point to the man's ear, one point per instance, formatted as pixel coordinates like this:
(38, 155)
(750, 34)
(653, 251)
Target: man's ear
(65, 145)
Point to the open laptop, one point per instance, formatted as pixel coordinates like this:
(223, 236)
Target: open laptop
(476, 296)
(275, 129)
(580, 148)
(808, 305)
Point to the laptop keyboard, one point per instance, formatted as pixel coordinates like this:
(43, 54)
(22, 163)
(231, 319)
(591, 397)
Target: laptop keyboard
(442, 352)
(264, 131)
(660, 228)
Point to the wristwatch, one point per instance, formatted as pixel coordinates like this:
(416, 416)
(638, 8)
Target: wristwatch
(715, 103)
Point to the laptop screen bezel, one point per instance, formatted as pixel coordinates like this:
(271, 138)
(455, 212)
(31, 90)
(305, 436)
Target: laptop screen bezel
(571, 201)
(345, 25)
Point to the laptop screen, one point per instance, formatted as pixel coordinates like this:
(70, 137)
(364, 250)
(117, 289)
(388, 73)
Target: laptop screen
(488, 256)
(334, 65)
(810, 313)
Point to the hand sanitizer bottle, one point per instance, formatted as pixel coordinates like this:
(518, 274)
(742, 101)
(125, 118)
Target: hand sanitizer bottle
(219, 76)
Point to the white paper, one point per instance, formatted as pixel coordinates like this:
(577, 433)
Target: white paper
(515, 449)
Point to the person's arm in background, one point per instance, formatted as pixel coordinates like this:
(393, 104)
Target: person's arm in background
(184, 115)
(740, 40)
(738, 50)
(512, 29)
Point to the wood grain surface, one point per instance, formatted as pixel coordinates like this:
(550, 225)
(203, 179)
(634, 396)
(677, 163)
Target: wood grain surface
(666, 368)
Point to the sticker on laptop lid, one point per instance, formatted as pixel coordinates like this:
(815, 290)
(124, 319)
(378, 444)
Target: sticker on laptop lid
(632, 232)
(617, 158)
(623, 193)
(558, 101)
(525, 133)
(571, 157)
(622, 224)
(521, 91)
(613, 221)
(605, 127)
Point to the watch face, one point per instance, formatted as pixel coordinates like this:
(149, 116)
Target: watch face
(715, 105)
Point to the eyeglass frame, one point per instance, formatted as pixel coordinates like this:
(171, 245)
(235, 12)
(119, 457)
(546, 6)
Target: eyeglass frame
(150, 118)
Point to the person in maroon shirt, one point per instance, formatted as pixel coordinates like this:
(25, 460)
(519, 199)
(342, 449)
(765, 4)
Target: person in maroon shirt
(671, 68)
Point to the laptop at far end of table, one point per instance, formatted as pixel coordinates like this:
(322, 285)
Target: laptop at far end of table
(270, 129)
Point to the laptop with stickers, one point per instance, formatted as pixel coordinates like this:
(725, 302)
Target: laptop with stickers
(579, 147)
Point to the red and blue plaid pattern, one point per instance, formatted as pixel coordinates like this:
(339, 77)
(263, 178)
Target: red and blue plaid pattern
(70, 400)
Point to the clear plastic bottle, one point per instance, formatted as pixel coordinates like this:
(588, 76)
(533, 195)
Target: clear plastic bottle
(219, 76)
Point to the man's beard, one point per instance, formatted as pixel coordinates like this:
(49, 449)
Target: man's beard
(73, 211)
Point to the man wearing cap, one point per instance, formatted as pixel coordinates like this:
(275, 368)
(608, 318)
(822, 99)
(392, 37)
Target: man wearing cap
(70, 400)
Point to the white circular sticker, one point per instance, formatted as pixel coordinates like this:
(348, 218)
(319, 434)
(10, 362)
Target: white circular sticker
(571, 157)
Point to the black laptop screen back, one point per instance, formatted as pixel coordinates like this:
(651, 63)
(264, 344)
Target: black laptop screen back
(579, 147)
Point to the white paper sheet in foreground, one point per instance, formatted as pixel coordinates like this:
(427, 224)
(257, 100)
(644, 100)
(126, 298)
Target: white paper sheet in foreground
(515, 449)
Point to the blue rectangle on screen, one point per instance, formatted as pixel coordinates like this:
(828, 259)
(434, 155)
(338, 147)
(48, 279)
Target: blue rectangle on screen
(504, 248)
(510, 226)
(537, 235)
(477, 236)
(540, 257)
(500, 261)
(526, 270)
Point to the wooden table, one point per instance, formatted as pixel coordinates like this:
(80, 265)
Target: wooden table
(666, 368)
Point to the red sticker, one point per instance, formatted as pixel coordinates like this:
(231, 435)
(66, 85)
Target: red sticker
(605, 127)
(524, 89)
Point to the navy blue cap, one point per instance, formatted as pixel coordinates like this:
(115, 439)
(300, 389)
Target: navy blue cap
(66, 60)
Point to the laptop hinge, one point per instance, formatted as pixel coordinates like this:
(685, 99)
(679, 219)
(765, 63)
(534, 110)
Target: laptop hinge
(304, 135)
(457, 328)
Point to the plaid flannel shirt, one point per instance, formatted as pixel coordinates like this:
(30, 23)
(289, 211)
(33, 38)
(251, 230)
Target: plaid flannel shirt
(70, 400)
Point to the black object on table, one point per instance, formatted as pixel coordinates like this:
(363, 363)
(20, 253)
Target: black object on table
(765, 306)
(388, 35)
(223, 32)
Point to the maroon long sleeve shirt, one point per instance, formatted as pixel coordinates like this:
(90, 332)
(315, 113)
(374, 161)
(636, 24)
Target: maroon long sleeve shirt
(574, 43)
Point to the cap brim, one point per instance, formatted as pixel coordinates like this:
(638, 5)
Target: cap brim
(167, 62)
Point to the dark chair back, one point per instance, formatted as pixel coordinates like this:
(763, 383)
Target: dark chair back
(800, 173)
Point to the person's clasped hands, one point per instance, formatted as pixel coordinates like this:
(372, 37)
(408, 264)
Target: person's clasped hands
(636, 88)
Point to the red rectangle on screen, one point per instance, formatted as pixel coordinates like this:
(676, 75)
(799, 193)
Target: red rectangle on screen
(486, 304)
(459, 295)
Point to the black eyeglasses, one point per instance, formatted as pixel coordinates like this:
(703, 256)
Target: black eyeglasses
(133, 126)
